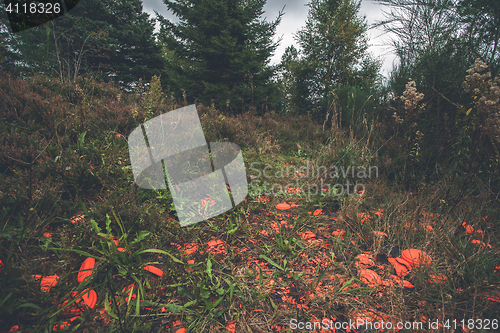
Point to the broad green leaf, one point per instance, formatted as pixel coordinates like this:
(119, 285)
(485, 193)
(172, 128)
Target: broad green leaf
(108, 225)
(81, 139)
(94, 225)
(209, 267)
(142, 235)
(174, 308)
(190, 303)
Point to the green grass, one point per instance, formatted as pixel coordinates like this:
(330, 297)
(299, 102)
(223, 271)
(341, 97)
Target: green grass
(254, 267)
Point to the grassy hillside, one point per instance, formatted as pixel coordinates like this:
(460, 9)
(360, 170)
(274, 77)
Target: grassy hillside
(297, 249)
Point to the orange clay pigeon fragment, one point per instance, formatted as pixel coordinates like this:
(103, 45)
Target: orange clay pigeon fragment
(64, 324)
(338, 232)
(363, 261)
(416, 257)
(317, 212)
(380, 234)
(370, 277)
(85, 298)
(90, 298)
(86, 269)
(481, 244)
(283, 206)
(397, 280)
(130, 289)
(401, 269)
(46, 282)
(154, 270)
(207, 202)
(468, 228)
(493, 298)
(439, 279)
(191, 248)
(308, 235)
(116, 242)
(78, 219)
(216, 247)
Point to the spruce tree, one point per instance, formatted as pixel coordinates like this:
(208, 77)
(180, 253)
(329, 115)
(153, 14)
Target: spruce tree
(219, 52)
(292, 76)
(112, 39)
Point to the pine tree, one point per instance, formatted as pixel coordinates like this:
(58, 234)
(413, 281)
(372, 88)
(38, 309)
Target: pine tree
(112, 39)
(219, 52)
(293, 74)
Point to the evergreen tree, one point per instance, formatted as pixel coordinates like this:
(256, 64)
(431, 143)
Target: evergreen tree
(111, 38)
(219, 52)
(8, 56)
(292, 75)
(333, 44)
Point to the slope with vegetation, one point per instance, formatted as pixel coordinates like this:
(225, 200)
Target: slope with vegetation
(68, 194)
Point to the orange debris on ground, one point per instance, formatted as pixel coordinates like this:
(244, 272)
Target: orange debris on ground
(283, 206)
(78, 219)
(416, 257)
(439, 278)
(46, 282)
(317, 212)
(154, 270)
(217, 247)
(369, 277)
(191, 248)
(86, 269)
(380, 234)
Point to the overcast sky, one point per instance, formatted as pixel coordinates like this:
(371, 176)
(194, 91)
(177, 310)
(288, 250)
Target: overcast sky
(295, 17)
